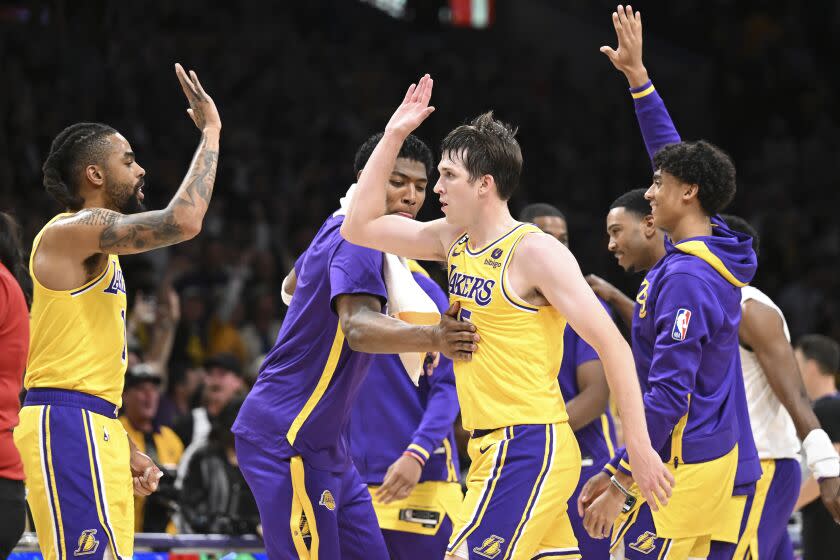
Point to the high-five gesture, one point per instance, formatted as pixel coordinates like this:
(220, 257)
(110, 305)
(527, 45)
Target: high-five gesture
(414, 108)
(628, 57)
(202, 110)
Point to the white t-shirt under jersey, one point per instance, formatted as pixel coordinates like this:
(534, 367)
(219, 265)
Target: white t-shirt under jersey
(772, 426)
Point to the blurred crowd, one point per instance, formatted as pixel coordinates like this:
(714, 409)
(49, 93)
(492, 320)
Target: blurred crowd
(301, 88)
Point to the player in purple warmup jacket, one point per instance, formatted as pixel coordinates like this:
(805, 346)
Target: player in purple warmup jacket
(290, 432)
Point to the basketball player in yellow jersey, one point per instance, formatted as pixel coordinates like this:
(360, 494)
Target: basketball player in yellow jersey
(519, 287)
(80, 465)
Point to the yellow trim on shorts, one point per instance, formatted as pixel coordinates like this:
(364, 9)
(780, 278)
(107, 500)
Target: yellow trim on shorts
(93, 463)
(517, 533)
(53, 489)
(299, 495)
(475, 521)
(452, 474)
(622, 530)
(749, 540)
(605, 425)
(321, 387)
(663, 552)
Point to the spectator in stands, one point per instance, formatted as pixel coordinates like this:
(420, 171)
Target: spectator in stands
(223, 382)
(183, 393)
(141, 396)
(215, 496)
(819, 361)
(14, 345)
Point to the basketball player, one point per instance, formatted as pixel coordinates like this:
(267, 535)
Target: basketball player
(585, 390)
(404, 447)
(291, 431)
(518, 286)
(764, 343)
(80, 465)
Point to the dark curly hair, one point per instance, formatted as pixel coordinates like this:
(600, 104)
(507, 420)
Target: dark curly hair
(488, 146)
(704, 165)
(413, 148)
(739, 224)
(633, 201)
(75, 147)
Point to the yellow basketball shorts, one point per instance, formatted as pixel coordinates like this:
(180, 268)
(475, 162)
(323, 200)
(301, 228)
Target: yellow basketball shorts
(518, 486)
(78, 479)
(700, 507)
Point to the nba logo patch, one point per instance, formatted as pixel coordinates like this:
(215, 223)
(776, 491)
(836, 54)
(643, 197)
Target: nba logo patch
(680, 329)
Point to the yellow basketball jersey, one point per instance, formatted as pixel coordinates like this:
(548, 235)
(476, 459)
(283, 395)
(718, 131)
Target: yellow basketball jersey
(512, 378)
(77, 337)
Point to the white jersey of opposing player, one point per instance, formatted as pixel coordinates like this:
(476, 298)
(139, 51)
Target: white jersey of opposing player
(772, 426)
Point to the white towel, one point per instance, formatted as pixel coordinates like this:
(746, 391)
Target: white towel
(406, 299)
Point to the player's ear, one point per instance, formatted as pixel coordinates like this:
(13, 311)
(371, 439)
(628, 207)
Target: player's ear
(95, 175)
(648, 226)
(486, 184)
(691, 190)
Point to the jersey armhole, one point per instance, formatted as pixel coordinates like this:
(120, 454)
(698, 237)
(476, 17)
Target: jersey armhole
(507, 291)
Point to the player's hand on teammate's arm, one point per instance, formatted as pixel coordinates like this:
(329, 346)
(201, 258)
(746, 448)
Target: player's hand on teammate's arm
(650, 474)
(627, 58)
(413, 110)
(601, 287)
(602, 513)
(456, 339)
(830, 495)
(400, 479)
(144, 473)
(202, 109)
(591, 490)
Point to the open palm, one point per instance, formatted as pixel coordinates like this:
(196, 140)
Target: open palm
(414, 108)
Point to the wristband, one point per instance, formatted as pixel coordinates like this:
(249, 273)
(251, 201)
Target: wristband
(415, 456)
(629, 499)
(821, 455)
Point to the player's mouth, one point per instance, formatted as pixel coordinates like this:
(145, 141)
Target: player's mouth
(443, 206)
(405, 215)
(138, 192)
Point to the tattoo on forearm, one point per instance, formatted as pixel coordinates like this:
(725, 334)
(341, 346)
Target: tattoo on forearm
(160, 228)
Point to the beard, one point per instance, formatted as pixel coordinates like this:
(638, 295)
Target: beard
(131, 204)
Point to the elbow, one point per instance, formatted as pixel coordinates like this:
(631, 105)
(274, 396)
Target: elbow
(190, 229)
(349, 233)
(354, 335)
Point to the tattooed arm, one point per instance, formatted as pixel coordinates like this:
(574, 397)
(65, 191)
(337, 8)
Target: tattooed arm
(100, 230)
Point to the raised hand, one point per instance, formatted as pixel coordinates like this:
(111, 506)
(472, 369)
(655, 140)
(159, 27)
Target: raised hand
(627, 58)
(202, 109)
(414, 108)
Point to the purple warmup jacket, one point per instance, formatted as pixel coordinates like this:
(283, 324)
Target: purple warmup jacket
(734, 252)
(301, 402)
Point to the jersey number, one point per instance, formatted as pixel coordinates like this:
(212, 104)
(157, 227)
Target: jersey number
(125, 335)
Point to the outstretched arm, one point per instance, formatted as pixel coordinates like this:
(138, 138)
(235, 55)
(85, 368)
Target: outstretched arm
(656, 125)
(366, 223)
(544, 263)
(761, 329)
(98, 230)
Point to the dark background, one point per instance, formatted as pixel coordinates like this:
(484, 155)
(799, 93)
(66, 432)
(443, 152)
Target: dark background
(301, 84)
